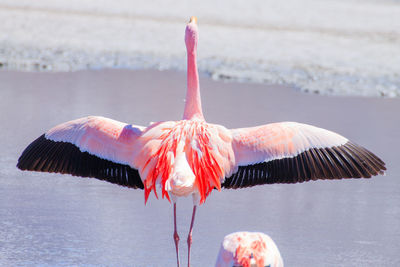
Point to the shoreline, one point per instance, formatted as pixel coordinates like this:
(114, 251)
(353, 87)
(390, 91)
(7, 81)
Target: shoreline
(48, 69)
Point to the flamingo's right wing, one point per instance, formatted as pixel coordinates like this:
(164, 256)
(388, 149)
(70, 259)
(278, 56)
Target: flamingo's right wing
(89, 147)
(290, 152)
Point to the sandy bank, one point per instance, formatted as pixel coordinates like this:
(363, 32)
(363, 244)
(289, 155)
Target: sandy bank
(334, 48)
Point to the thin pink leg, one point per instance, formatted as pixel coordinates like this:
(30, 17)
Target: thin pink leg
(189, 239)
(176, 237)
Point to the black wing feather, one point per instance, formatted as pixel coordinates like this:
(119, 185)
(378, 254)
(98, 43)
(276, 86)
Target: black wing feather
(45, 155)
(345, 161)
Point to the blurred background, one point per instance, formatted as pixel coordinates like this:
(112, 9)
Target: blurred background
(345, 47)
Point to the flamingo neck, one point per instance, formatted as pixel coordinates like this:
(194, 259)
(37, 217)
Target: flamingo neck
(193, 108)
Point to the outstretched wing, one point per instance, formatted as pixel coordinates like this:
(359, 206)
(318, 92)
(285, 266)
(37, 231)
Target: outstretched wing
(88, 147)
(290, 152)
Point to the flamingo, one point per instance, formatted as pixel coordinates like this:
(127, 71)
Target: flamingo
(248, 249)
(193, 157)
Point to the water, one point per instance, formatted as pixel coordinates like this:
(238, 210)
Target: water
(336, 47)
(60, 220)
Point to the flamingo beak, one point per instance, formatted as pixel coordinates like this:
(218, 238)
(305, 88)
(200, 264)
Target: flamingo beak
(193, 19)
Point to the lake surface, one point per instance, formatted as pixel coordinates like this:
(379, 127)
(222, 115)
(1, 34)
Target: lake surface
(60, 220)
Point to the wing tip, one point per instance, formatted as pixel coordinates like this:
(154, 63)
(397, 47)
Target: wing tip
(46, 155)
(331, 163)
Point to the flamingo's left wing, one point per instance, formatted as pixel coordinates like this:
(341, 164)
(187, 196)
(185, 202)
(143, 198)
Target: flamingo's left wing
(88, 147)
(290, 152)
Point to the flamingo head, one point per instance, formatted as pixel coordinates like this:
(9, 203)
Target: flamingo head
(191, 35)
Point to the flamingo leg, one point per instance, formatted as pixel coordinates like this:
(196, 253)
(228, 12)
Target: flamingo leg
(176, 237)
(189, 238)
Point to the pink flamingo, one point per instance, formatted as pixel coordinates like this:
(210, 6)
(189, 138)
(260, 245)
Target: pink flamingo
(247, 249)
(193, 157)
